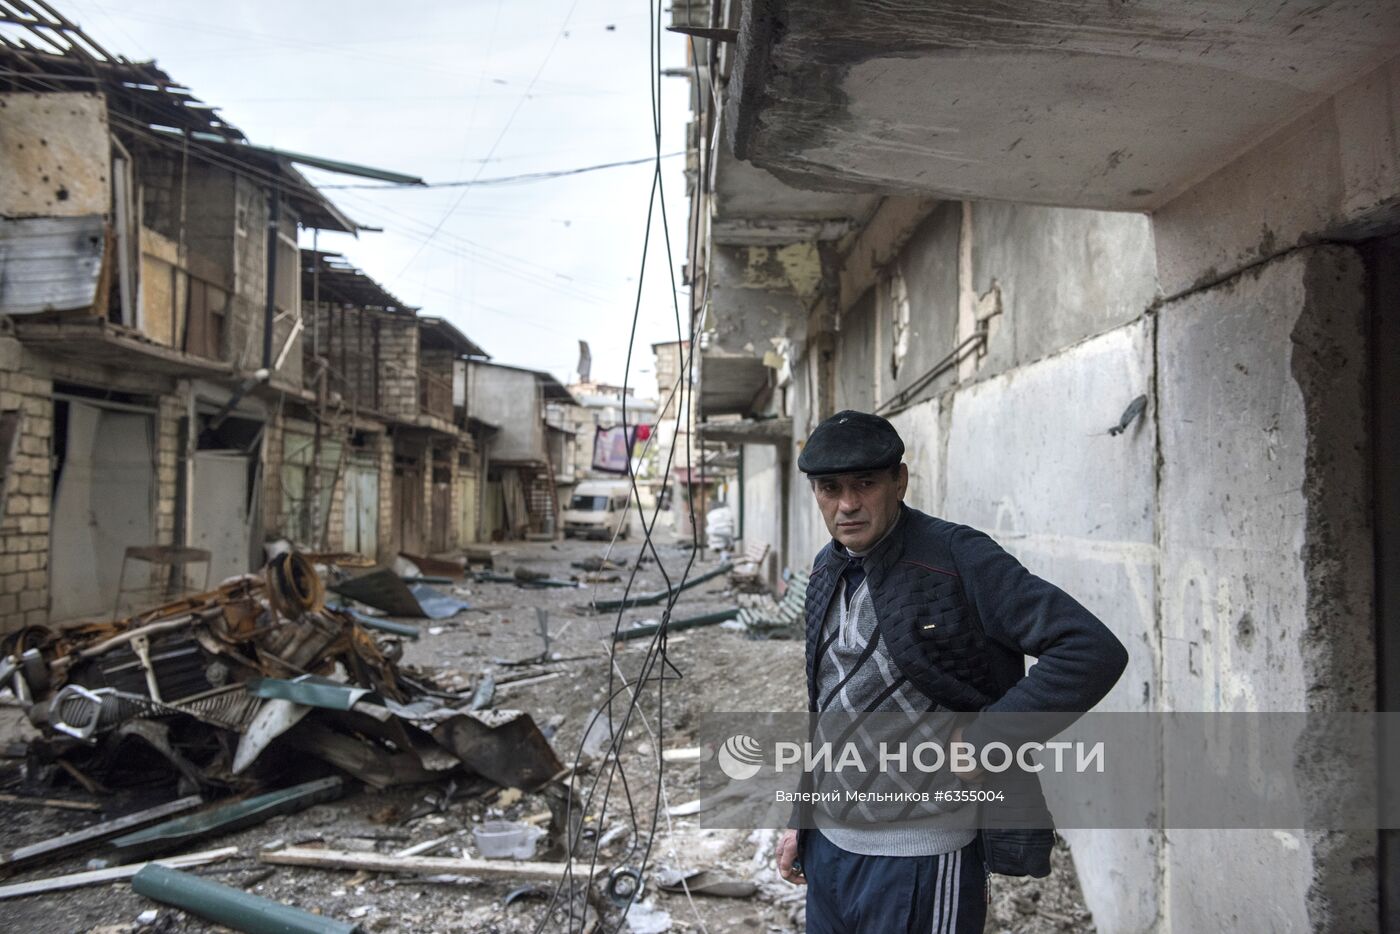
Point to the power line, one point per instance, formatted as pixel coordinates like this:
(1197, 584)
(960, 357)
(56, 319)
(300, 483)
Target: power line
(511, 179)
(559, 34)
(656, 650)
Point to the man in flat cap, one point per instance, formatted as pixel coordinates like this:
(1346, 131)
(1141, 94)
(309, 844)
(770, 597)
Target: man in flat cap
(908, 613)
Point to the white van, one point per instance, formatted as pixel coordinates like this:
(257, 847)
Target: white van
(598, 508)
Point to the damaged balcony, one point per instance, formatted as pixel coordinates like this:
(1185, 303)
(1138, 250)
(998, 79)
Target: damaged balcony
(758, 301)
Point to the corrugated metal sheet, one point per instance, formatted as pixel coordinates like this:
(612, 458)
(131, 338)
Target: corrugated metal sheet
(50, 263)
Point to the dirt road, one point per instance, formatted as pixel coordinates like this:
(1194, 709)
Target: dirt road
(715, 670)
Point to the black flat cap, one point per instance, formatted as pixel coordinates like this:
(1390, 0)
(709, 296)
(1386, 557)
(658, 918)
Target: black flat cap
(850, 442)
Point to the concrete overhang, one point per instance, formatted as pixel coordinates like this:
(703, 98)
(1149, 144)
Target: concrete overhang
(98, 341)
(753, 207)
(749, 431)
(1116, 106)
(731, 384)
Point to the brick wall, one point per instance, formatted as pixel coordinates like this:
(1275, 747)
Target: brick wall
(168, 415)
(398, 357)
(388, 532)
(455, 537)
(24, 529)
(346, 338)
(335, 520)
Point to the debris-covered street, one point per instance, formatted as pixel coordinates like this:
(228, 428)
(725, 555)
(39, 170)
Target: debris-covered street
(603, 466)
(720, 669)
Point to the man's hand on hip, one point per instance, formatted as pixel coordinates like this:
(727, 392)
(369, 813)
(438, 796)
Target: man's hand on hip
(787, 854)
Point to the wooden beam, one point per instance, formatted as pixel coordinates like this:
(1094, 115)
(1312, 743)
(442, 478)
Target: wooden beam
(53, 802)
(112, 874)
(523, 871)
(57, 846)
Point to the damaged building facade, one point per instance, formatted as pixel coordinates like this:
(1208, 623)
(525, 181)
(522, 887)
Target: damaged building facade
(180, 382)
(526, 452)
(1148, 344)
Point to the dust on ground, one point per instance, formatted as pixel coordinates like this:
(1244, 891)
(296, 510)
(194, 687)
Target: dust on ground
(716, 670)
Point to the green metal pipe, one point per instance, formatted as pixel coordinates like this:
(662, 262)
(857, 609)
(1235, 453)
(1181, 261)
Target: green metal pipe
(650, 599)
(491, 577)
(229, 906)
(676, 625)
(407, 630)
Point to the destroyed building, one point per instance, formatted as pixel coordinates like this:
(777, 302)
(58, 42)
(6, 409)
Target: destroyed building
(179, 382)
(525, 453)
(1146, 343)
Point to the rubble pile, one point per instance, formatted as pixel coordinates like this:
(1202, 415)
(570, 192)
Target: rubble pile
(207, 684)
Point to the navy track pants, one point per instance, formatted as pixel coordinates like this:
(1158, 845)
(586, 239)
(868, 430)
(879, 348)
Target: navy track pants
(852, 894)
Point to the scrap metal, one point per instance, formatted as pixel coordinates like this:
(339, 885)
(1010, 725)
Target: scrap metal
(212, 681)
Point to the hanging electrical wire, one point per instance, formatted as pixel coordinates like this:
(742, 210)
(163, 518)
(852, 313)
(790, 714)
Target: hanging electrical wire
(613, 769)
(510, 179)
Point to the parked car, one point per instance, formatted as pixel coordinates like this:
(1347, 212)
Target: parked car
(598, 508)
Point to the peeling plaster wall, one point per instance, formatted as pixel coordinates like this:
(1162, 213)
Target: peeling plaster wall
(856, 356)
(1059, 275)
(1258, 439)
(929, 269)
(1335, 170)
(756, 293)
(1029, 460)
(1265, 560)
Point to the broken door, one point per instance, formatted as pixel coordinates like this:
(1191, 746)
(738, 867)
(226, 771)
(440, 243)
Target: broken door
(408, 503)
(362, 506)
(442, 510)
(104, 497)
(220, 523)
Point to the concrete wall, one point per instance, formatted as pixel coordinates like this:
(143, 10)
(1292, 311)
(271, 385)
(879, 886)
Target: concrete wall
(510, 399)
(1265, 559)
(763, 497)
(806, 532)
(1026, 456)
(1059, 275)
(856, 356)
(1221, 536)
(1333, 171)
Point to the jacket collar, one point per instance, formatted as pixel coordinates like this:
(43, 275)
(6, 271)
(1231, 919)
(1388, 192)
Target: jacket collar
(891, 543)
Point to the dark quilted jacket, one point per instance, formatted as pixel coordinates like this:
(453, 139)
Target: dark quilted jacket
(958, 615)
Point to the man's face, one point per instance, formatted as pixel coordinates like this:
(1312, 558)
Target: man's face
(860, 507)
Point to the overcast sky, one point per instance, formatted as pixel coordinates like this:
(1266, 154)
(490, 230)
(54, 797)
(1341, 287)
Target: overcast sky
(468, 89)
